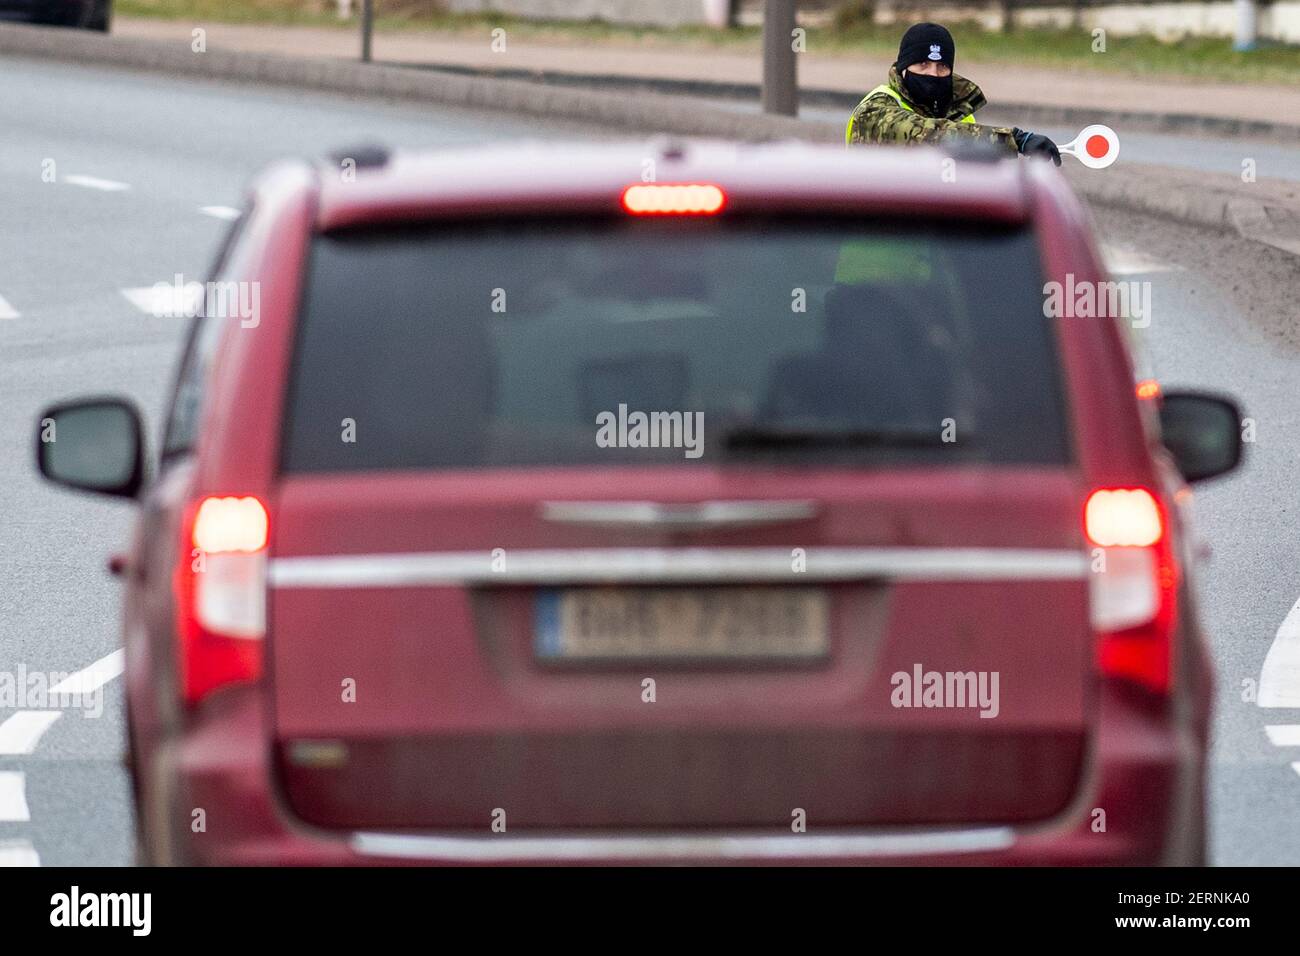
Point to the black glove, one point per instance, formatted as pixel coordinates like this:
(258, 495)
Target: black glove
(1035, 144)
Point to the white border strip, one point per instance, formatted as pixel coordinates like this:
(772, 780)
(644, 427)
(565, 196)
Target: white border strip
(23, 731)
(485, 849)
(667, 566)
(13, 797)
(224, 213)
(1283, 735)
(1279, 680)
(18, 853)
(90, 679)
(94, 182)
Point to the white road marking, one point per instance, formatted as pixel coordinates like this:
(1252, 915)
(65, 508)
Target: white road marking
(7, 311)
(164, 300)
(90, 679)
(94, 182)
(1283, 735)
(1296, 766)
(1129, 262)
(13, 797)
(227, 213)
(18, 853)
(1279, 680)
(22, 732)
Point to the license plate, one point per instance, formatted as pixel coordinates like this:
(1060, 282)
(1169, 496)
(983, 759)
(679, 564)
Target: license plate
(619, 624)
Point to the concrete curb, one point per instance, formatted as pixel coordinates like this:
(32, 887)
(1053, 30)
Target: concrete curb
(1037, 114)
(648, 112)
(1263, 213)
(1266, 214)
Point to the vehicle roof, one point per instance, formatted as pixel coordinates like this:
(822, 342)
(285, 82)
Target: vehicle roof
(555, 177)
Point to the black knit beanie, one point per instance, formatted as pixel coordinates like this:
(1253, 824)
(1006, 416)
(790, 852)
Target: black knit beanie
(925, 41)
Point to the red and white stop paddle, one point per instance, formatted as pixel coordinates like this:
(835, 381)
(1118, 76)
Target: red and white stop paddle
(1096, 146)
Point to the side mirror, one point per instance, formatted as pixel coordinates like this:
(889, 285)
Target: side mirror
(1202, 432)
(93, 444)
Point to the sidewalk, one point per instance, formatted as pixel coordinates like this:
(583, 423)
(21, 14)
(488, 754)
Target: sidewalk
(1007, 86)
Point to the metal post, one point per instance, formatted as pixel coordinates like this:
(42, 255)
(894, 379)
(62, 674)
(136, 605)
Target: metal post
(1247, 33)
(367, 28)
(780, 83)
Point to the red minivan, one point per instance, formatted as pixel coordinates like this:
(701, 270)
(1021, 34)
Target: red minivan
(660, 503)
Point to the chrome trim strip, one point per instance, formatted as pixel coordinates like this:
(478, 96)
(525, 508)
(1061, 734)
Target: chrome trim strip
(720, 846)
(675, 566)
(688, 516)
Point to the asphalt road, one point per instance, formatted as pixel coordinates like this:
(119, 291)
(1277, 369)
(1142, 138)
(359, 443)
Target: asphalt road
(69, 248)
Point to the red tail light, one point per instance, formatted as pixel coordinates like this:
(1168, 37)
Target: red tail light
(1119, 517)
(221, 594)
(674, 199)
(1134, 586)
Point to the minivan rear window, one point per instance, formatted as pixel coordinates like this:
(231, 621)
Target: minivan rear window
(685, 341)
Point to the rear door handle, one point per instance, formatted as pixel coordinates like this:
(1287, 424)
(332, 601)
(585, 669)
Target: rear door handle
(690, 516)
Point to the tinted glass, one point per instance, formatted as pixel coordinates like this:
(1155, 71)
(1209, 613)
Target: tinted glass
(540, 342)
(204, 336)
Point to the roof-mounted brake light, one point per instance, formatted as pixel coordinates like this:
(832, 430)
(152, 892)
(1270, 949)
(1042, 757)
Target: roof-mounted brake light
(673, 199)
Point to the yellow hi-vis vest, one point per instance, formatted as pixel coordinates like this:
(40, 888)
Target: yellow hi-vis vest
(886, 88)
(874, 260)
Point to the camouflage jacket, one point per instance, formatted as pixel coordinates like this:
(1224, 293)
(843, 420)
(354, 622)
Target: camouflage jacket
(879, 118)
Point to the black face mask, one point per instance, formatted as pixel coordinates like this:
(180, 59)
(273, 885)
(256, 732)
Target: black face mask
(932, 92)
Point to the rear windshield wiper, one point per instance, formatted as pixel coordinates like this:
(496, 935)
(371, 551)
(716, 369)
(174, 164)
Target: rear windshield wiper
(777, 438)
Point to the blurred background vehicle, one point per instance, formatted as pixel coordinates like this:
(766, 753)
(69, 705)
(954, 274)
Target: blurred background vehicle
(86, 14)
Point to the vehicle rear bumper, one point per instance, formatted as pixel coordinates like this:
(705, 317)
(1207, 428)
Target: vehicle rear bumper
(1141, 805)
